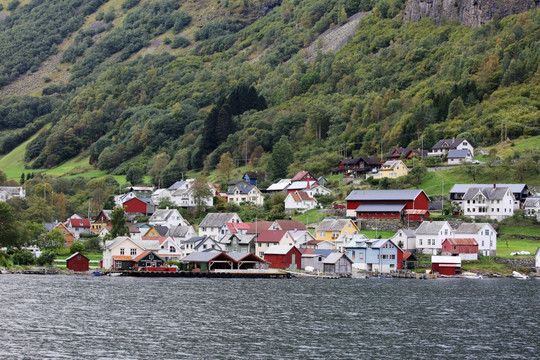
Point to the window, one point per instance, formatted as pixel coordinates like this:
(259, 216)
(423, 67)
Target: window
(132, 252)
(420, 241)
(172, 249)
(121, 251)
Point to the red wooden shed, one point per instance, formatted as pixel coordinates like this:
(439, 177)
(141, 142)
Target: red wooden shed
(283, 257)
(446, 265)
(135, 205)
(385, 204)
(78, 262)
(459, 246)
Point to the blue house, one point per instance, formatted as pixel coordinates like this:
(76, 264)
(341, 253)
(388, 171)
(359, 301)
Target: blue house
(253, 177)
(378, 255)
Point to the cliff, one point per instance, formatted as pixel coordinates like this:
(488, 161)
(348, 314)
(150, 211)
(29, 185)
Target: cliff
(468, 12)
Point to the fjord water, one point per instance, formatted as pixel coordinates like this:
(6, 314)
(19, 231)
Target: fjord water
(84, 317)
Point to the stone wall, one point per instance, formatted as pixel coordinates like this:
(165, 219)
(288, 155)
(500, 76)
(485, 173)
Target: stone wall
(395, 225)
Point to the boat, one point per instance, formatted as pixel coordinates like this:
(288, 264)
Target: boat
(114, 274)
(473, 277)
(520, 276)
(98, 273)
(385, 277)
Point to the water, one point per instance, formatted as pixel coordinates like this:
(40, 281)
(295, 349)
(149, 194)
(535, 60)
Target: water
(85, 317)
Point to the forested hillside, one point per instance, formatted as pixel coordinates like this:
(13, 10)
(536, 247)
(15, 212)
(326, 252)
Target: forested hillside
(168, 86)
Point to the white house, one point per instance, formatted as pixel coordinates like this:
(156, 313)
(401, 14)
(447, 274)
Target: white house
(484, 234)
(182, 194)
(537, 260)
(122, 198)
(201, 244)
(532, 207)
(488, 203)
(159, 195)
(299, 200)
(431, 234)
(8, 192)
(242, 192)
(405, 239)
(442, 147)
(301, 236)
(167, 217)
(212, 224)
(521, 192)
(123, 247)
(170, 249)
(181, 233)
(458, 157)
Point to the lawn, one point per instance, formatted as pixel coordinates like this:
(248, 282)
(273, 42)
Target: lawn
(309, 217)
(530, 230)
(506, 245)
(523, 146)
(372, 234)
(93, 256)
(13, 163)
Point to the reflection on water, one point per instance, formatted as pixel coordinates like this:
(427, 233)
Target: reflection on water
(57, 317)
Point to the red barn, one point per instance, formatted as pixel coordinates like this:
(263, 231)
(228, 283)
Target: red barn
(140, 206)
(283, 257)
(446, 265)
(467, 249)
(386, 204)
(78, 262)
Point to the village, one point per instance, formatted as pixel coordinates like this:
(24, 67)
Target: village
(223, 243)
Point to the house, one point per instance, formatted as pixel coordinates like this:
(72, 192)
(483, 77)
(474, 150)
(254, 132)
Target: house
(9, 192)
(532, 207)
(212, 224)
(303, 176)
(301, 236)
(332, 229)
(78, 226)
(314, 258)
(318, 244)
(488, 203)
(266, 239)
(322, 180)
(291, 225)
(537, 260)
(258, 226)
(234, 228)
(283, 257)
(397, 153)
(405, 239)
(209, 261)
(377, 255)
(246, 261)
(69, 236)
(244, 193)
(300, 201)
(120, 252)
(134, 232)
(446, 265)
(241, 243)
(356, 166)
(338, 263)
(78, 262)
(392, 169)
(120, 199)
(458, 157)
(280, 186)
(521, 192)
(159, 195)
(410, 153)
(442, 147)
(139, 206)
(169, 248)
(148, 259)
(167, 217)
(410, 262)
(431, 234)
(102, 220)
(183, 194)
(484, 234)
(181, 233)
(154, 231)
(201, 244)
(466, 249)
(385, 204)
(253, 177)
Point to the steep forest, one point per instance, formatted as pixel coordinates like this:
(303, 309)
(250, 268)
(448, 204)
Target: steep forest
(168, 86)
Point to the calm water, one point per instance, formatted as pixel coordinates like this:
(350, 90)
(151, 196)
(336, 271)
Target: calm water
(84, 317)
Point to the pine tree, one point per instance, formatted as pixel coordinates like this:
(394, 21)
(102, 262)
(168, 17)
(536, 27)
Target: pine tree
(282, 157)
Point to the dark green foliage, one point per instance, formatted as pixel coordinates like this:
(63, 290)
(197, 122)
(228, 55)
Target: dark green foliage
(9, 234)
(93, 244)
(12, 5)
(118, 222)
(128, 4)
(135, 175)
(46, 258)
(217, 28)
(23, 257)
(180, 42)
(77, 246)
(282, 157)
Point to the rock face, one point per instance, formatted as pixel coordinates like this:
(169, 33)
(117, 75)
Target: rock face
(468, 12)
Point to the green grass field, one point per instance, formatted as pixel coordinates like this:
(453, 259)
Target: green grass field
(93, 256)
(519, 230)
(310, 217)
(506, 245)
(372, 234)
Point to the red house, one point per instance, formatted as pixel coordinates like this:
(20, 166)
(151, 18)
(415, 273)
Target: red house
(303, 176)
(78, 262)
(467, 249)
(446, 265)
(283, 257)
(356, 166)
(140, 206)
(387, 204)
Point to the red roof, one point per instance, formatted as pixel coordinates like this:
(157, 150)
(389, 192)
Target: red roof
(301, 196)
(259, 226)
(234, 227)
(133, 229)
(291, 225)
(270, 236)
(415, 211)
(467, 242)
(80, 223)
(144, 253)
(300, 176)
(313, 242)
(306, 251)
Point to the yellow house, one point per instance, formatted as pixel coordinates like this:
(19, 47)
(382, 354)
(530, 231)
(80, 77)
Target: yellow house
(332, 229)
(392, 169)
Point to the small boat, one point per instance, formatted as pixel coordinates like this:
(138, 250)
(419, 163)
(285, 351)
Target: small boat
(98, 273)
(114, 274)
(472, 277)
(520, 276)
(385, 277)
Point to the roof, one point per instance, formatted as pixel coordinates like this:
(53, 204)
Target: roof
(300, 175)
(194, 239)
(491, 193)
(161, 229)
(335, 257)
(448, 143)
(216, 219)
(270, 236)
(399, 150)
(242, 239)
(280, 185)
(390, 164)
(409, 232)
(291, 225)
(430, 227)
(446, 260)
(239, 256)
(416, 212)
(461, 241)
(122, 258)
(77, 253)
(462, 188)
(472, 228)
(458, 154)
(79, 222)
(367, 159)
(243, 188)
(234, 227)
(296, 234)
(163, 214)
(531, 201)
(143, 254)
(180, 231)
(299, 196)
(177, 185)
(259, 226)
(408, 256)
(205, 256)
(256, 175)
(333, 224)
(380, 207)
(279, 250)
(313, 242)
(106, 213)
(300, 185)
(374, 195)
(132, 229)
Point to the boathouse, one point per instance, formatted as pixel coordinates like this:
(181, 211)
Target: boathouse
(208, 261)
(338, 263)
(466, 249)
(246, 261)
(446, 265)
(78, 262)
(148, 259)
(283, 257)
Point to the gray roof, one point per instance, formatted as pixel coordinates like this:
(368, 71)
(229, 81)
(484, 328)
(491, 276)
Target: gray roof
(462, 188)
(201, 256)
(383, 195)
(332, 224)
(205, 239)
(194, 239)
(237, 256)
(448, 143)
(409, 232)
(163, 214)
(162, 230)
(458, 154)
(531, 201)
(278, 249)
(180, 231)
(177, 185)
(490, 193)
(335, 257)
(380, 207)
(430, 227)
(471, 228)
(242, 239)
(216, 219)
(243, 188)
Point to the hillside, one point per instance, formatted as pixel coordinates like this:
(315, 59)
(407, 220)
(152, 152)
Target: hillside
(168, 86)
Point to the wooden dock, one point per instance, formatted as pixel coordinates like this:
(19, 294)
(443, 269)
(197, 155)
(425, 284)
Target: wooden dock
(212, 274)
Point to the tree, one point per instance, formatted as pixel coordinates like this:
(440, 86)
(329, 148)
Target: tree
(158, 164)
(3, 178)
(201, 192)
(282, 157)
(118, 222)
(77, 246)
(9, 236)
(456, 108)
(135, 175)
(53, 240)
(225, 166)
(23, 257)
(473, 171)
(46, 258)
(416, 175)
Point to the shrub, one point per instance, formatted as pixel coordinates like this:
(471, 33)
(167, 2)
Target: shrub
(128, 4)
(77, 246)
(180, 42)
(23, 257)
(12, 5)
(47, 258)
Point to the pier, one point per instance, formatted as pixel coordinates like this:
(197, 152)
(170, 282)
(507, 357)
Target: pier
(213, 274)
